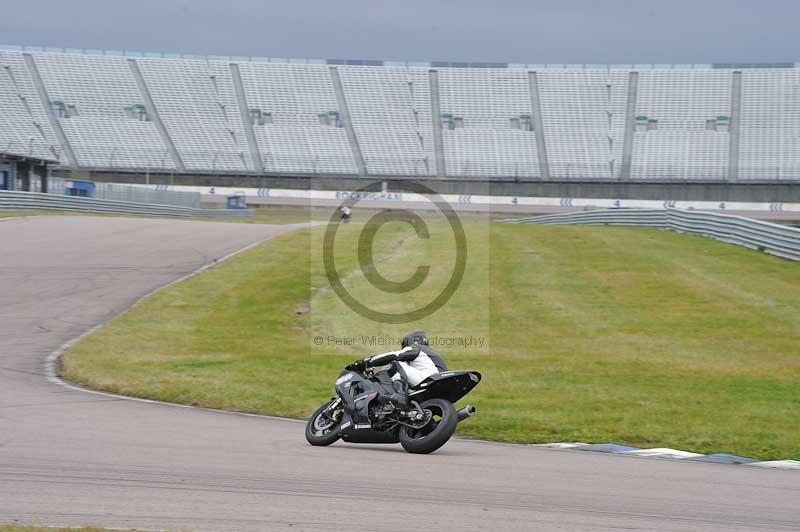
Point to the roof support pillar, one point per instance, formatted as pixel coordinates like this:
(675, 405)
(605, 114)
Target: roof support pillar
(733, 127)
(152, 112)
(344, 110)
(538, 125)
(44, 98)
(436, 116)
(247, 123)
(630, 125)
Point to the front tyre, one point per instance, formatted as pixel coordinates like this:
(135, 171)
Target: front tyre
(439, 429)
(323, 427)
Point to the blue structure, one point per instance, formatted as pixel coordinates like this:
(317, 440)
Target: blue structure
(6, 177)
(83, 189)
(238, 201)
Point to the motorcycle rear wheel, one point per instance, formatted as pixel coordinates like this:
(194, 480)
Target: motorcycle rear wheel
(321, 430)
(436, 433)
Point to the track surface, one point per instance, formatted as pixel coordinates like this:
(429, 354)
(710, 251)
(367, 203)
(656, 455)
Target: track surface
(68, 457)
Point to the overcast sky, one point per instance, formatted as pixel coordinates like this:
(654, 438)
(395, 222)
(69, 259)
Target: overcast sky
(517, 31)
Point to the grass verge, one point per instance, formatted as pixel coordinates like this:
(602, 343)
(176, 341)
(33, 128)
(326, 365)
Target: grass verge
(20, 528)
(631, 335)
(13, 213)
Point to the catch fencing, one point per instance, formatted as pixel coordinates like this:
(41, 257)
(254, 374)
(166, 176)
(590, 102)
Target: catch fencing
(119, 192)
(775, 239)
(37, 200)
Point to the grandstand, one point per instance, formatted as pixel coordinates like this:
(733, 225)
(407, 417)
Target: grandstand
(103, 110)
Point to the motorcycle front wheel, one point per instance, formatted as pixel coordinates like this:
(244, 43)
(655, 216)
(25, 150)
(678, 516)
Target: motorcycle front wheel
(323, 427)
(435, 433)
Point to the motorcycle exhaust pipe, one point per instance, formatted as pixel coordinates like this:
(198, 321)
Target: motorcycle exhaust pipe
(465, 413)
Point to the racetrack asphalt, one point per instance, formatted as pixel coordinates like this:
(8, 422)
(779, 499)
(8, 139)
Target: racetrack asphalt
(68, 457)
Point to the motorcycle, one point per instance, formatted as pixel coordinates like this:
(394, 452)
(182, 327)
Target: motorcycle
(364, 410)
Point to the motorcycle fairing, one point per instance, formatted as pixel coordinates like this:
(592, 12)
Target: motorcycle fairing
(450, 385)
(356, 393)
(362, 434)
(352, 432)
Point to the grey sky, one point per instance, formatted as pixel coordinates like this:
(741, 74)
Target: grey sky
(533, 31)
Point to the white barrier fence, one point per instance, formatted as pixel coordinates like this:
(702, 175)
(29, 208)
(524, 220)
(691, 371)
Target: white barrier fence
(774, 239)
(39, 201)
(477, 199)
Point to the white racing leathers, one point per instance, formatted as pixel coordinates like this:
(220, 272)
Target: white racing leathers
(418, 369)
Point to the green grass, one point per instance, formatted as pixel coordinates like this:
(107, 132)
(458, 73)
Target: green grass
(19, 528)
(592, 334)
(12, 213)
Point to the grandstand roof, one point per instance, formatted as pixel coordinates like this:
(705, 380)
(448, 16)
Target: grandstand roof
(5, 156)
(381, 63)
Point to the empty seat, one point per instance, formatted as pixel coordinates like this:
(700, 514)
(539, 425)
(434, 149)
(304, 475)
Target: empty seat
(683, 118)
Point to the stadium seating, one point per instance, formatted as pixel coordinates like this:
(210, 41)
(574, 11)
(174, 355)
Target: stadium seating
(391, 114)
(189, 96)
(295, 140)
(583, 112)
(483, 141)
(24, 127)
(681, 146)
(97, 90)
(200, 114)
(770, 143)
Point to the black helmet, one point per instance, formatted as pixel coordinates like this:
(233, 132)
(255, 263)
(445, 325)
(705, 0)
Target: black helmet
(415, 338)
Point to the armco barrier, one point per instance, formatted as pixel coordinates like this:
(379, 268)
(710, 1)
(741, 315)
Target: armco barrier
(644, 217)
(774, 239)
(37, 200)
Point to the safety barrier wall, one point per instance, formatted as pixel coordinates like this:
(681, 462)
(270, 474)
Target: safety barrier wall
(264, 194)
(774, 239)
(38, 200)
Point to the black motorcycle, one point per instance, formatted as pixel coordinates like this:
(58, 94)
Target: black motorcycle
(366, 409)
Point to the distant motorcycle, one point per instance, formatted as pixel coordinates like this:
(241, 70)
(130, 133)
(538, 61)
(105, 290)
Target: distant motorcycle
(363, 410)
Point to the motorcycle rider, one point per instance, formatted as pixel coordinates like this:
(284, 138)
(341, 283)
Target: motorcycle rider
(345, 213)
(412, 364)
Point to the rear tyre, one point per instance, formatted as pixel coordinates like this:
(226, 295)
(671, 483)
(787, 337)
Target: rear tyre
(323, 427)
(436, 433)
